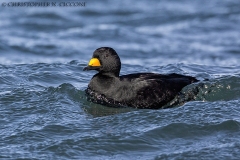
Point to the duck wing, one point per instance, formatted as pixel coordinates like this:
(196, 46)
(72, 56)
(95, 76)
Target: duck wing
(149, 90)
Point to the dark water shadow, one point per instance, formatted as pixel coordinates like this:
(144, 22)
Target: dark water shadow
(79, 97)
(219, 89)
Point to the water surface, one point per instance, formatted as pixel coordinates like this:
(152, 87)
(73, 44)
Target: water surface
(44, 111)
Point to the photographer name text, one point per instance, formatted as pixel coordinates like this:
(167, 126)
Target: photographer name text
(44, 4)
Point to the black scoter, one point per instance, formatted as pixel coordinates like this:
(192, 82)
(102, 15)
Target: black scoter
(138, 90)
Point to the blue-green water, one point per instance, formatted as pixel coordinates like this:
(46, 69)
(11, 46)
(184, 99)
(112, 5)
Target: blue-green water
(44, 111)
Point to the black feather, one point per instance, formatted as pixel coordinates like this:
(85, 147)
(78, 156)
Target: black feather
(139, 90)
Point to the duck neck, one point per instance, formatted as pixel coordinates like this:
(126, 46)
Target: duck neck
(109, 74)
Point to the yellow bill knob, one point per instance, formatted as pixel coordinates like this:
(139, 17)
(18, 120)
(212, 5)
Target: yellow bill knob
(94, 62)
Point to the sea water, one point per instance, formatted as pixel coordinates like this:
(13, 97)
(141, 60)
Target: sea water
(44, 110)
